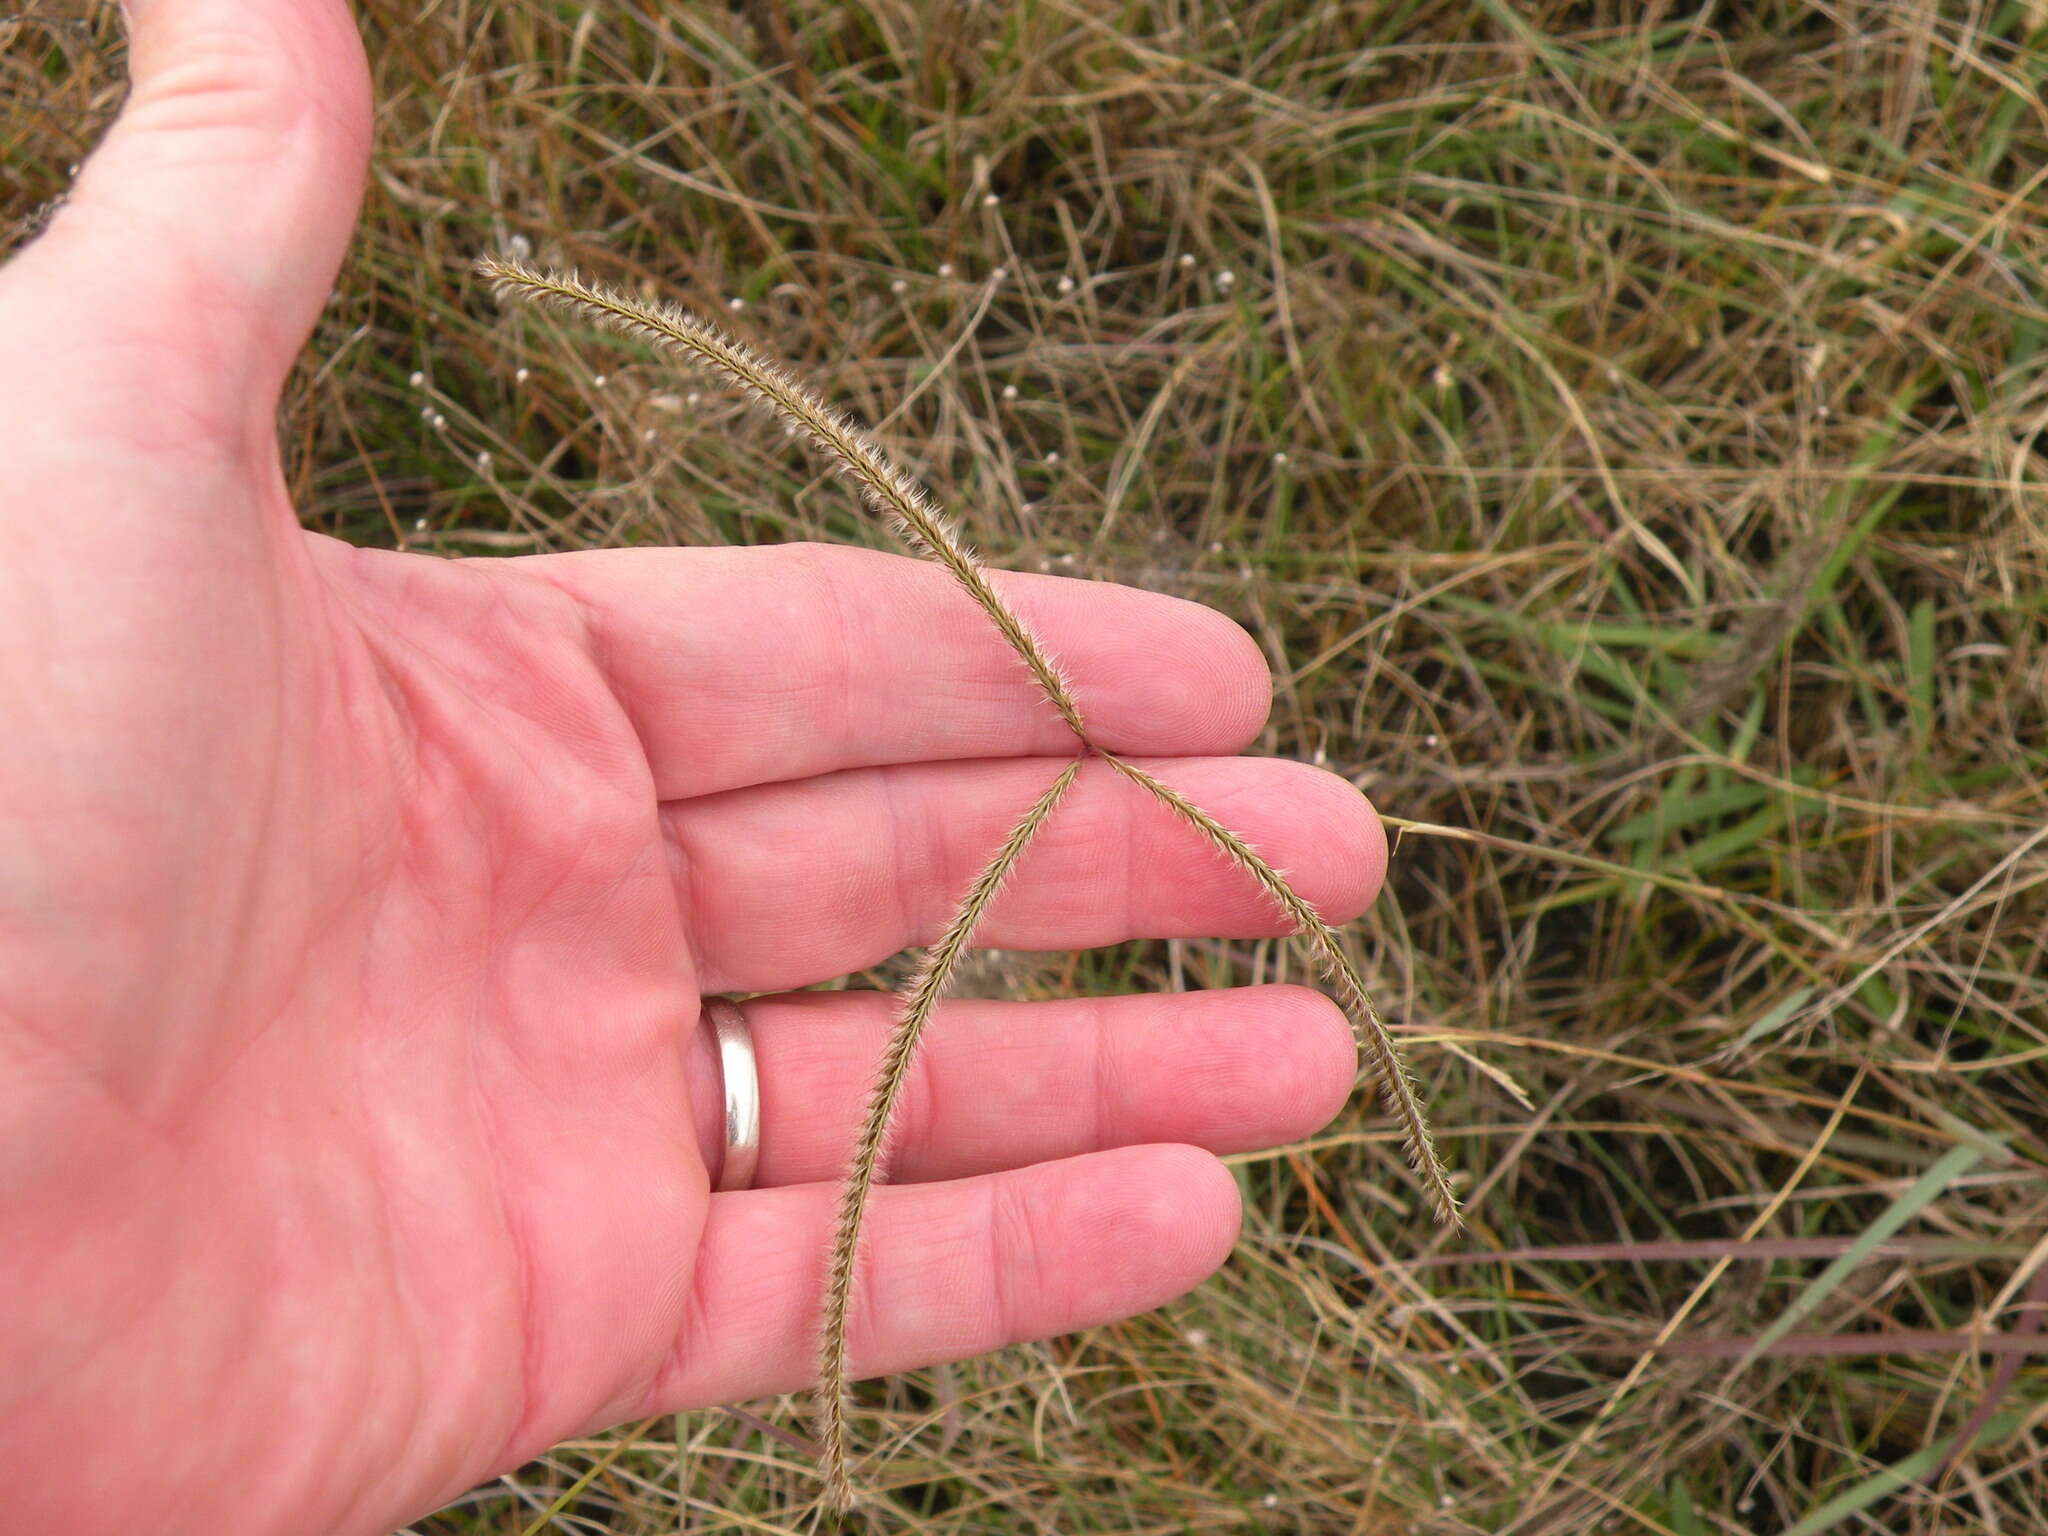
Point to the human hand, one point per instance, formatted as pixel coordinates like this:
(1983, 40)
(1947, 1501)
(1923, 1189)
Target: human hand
(356, 1127)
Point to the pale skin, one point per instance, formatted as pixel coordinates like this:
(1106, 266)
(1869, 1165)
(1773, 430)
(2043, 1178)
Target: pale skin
(356, 1125)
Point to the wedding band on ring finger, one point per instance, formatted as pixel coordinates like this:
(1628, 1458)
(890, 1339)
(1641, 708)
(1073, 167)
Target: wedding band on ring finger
(742, 1089)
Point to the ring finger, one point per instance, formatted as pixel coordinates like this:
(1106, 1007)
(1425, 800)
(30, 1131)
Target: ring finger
(1002, 1085)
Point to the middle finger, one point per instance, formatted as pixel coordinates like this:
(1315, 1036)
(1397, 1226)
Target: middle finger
(787, 885)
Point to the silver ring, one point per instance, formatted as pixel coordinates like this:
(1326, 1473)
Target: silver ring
(742, 1094)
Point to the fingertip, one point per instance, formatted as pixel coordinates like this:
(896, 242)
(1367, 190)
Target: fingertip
(1372, 845)
(1210, 690)
(1318, 831)
(1314, 1066)
(1244, 698)
(1154, 674)
(1184, 1213)
(1239, 1069)
(1349, 840)
(1121, 1232)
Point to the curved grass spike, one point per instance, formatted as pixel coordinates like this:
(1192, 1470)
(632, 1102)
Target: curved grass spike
(1397, 1087)
(885, 487)
(906, 506)
(926, 987)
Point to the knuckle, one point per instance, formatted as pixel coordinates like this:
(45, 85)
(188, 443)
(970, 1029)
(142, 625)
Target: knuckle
(226, 78)
(1019, 1276)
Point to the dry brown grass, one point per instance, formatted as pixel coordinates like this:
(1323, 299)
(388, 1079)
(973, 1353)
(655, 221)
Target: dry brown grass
(1659, 535)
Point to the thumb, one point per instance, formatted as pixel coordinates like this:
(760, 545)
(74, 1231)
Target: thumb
(217, 210)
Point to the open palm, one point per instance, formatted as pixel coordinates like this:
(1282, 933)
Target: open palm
(356, 1125)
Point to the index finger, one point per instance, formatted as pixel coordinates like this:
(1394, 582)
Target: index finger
(753, 665)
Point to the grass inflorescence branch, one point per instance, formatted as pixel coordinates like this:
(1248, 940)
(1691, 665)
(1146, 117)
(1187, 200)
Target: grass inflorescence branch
(1396, 1086)
(845, 446)
(934, 973)
(906, 506)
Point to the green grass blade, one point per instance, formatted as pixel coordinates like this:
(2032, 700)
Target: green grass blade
(1923, 1192)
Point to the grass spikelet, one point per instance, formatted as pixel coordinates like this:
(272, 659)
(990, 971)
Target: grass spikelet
(926, 987)
(1397, 1087)
(846, 446)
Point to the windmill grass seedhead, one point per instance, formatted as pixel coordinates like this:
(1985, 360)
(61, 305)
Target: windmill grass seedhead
(905, 505)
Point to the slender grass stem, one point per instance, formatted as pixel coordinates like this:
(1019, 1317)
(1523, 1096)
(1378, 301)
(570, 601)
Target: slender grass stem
(1397, 1087)
(929, 983)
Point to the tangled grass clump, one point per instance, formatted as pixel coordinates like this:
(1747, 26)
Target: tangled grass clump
(892, 493)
